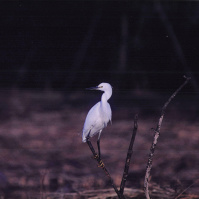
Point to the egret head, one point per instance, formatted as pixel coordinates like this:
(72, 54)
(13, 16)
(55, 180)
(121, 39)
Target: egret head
(106, 87)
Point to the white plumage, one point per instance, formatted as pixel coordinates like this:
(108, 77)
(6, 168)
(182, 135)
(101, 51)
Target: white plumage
(99, 115)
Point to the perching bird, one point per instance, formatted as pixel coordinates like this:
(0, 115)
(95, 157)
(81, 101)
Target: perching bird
(99, 115)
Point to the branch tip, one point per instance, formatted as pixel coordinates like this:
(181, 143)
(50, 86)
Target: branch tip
(188, 78)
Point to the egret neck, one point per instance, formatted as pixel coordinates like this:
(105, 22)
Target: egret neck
(105, 96)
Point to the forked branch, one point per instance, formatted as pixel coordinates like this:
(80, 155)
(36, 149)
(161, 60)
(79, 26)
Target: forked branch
(155, 140)
(101, 164)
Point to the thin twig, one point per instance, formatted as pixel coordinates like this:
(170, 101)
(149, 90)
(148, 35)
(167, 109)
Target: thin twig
(101, 164)
(155, 140)
(187, 188)
(129, 154)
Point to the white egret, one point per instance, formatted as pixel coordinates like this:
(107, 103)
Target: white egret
(99, 115)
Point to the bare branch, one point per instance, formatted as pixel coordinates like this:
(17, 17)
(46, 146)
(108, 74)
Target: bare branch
(102, 165)
(155, 140)
(129, 154)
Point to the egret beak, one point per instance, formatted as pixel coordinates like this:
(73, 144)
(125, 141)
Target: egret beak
(93, 88)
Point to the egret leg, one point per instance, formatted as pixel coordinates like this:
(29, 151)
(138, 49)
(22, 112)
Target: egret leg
(98, 145)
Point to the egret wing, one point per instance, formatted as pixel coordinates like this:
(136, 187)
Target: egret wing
(91, 120)
(109, 113)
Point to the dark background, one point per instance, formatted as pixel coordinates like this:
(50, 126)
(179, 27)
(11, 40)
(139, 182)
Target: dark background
(69, 45)
(50, 51)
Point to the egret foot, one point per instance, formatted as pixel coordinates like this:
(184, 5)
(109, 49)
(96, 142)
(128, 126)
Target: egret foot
(96, 156)
(101, 164)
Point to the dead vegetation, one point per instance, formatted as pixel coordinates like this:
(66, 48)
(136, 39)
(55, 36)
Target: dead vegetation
(41, 153)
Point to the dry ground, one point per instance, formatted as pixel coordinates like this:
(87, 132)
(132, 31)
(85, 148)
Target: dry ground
(42, 156)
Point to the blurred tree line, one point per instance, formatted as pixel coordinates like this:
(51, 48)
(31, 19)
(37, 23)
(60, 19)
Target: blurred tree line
(67, 45)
